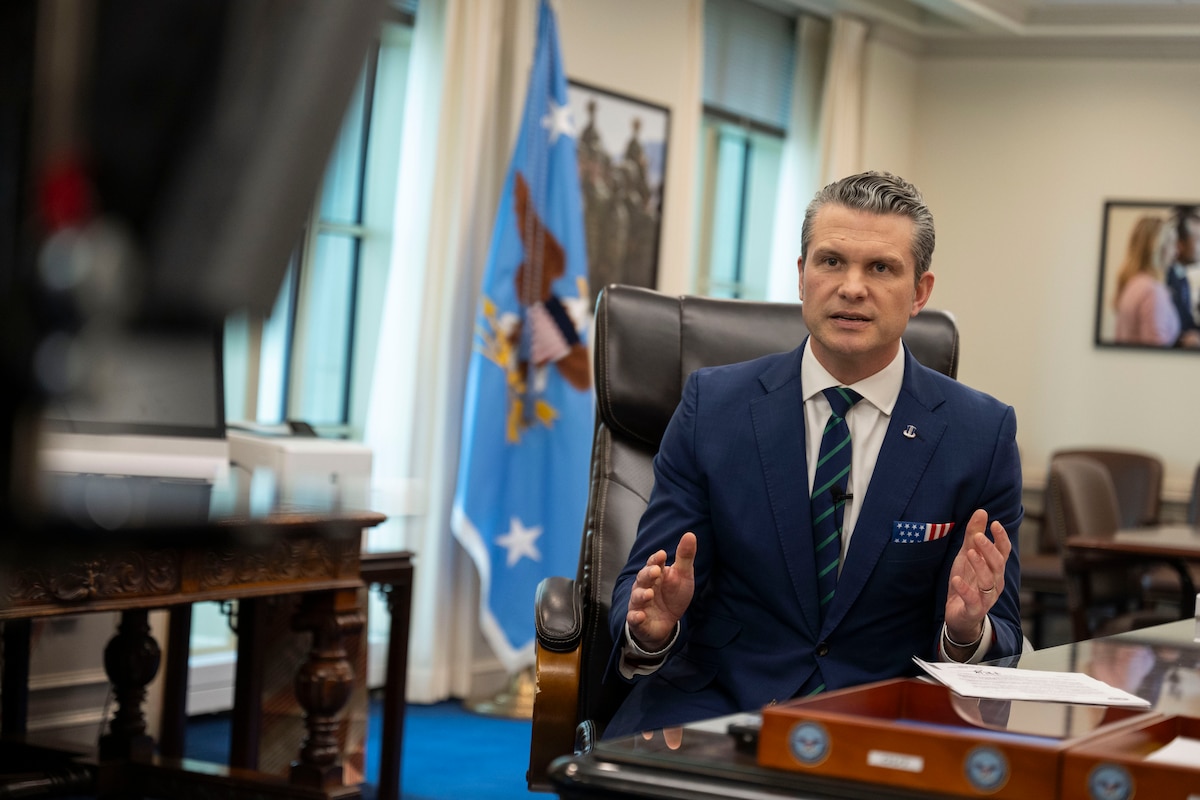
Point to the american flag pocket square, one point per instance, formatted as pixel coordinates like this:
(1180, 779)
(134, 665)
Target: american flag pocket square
(914, 532)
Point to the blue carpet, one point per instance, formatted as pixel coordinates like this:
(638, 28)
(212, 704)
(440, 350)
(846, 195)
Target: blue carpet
(448, 752)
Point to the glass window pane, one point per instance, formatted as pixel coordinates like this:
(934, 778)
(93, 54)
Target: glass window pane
(340, 191)
(236, 357)
(762, 189)
(740, 188)
(271, 375)
(725, 266)
(322, 351)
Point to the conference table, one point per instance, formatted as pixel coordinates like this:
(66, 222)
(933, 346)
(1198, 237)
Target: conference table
(134, 545)
(709, 760)
(1175, 544)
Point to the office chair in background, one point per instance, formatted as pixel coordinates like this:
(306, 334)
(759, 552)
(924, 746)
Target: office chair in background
(1137, 479)
(1103, 592)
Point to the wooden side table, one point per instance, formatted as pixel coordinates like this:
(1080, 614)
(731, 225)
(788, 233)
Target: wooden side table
(312, 553)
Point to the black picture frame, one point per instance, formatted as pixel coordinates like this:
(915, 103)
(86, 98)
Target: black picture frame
(1120, 218)
(622, 151)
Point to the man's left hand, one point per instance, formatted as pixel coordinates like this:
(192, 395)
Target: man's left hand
(976, 578)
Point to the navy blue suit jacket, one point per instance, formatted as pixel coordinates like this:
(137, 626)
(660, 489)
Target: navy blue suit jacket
(1181, 297)
(732, 469)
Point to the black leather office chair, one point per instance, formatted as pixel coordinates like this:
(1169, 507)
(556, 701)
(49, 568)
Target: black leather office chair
(646, 344)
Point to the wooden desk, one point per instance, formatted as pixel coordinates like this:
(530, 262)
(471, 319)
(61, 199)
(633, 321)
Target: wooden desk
(1177, 545)
(242, 551)
(1161, 664)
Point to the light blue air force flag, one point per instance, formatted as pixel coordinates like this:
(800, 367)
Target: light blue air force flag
(527, 425)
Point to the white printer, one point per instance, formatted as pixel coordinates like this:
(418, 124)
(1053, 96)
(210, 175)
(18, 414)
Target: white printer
(303, 467)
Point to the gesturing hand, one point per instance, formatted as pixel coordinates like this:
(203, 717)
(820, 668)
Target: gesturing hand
(661, 594)
(976, 578)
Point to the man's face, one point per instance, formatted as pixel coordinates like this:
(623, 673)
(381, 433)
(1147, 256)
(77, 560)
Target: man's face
(858, 287)
(1188, 244)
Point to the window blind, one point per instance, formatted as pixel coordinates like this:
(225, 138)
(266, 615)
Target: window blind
(749, 53)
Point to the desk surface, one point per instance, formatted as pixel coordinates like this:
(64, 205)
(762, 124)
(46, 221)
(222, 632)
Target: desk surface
(1161, 664)
(1170, 541)
(1173, 545)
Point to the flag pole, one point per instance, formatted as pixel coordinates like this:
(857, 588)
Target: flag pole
(521, 494)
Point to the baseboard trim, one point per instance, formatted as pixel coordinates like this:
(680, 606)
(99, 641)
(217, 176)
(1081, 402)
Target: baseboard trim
(210, 682)
(71, 719)
(67, 680)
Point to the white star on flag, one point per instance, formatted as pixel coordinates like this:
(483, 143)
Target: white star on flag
(558, 121)
(520, 541)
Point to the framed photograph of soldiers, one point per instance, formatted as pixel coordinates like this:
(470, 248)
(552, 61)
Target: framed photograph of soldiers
(622, 150)
(1149, 275)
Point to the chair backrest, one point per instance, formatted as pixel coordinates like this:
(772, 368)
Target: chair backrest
(646, 345)
(1083, 501)
(1193, 512)
(1137, 480)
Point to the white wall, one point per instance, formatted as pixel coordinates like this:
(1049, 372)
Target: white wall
(649, 51)
(1016, 157)
(889, 109)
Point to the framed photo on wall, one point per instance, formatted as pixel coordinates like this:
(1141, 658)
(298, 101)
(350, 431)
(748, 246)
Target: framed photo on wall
(1149, 281)
(622, 151)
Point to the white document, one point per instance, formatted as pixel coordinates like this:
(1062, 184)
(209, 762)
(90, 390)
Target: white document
(1007, 683)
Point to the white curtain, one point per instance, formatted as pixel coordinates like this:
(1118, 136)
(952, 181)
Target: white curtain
(842, 100)
(824, 133)
(798, 178)
(459, 125)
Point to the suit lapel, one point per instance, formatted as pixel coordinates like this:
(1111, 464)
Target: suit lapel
(902, 462)
(778, 419)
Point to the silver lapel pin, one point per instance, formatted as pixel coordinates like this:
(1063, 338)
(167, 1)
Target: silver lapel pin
(910, 432)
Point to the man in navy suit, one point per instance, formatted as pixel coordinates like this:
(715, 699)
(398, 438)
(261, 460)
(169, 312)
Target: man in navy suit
(731, 619)
(1187, 226)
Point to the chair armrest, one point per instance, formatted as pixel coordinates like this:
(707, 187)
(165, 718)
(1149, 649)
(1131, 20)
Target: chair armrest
(559, 633)
(559, 618)
(1187, 587)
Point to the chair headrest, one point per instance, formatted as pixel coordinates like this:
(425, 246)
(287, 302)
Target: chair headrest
(647, 343)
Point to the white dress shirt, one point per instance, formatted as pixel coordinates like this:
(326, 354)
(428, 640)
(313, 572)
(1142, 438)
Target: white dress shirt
(867, 420)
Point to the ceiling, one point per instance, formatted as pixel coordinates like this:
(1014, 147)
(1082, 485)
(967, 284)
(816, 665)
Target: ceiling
(1152, 28)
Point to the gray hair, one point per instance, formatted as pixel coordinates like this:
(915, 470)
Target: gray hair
(877, 193)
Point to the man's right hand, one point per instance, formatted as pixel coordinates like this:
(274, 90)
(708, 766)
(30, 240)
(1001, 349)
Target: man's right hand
(661, 594)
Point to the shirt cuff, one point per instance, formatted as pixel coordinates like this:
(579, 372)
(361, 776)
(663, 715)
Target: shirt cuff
(637, 661)
(985, 642)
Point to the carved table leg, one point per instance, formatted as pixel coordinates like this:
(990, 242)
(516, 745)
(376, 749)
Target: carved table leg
(131, 662)
(324, 683)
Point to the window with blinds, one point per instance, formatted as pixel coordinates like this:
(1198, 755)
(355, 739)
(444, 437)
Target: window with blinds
(749, 57)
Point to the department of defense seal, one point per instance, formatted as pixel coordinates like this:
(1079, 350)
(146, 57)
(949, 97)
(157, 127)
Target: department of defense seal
(986, 768)
(1110, 782)
(809, 742)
